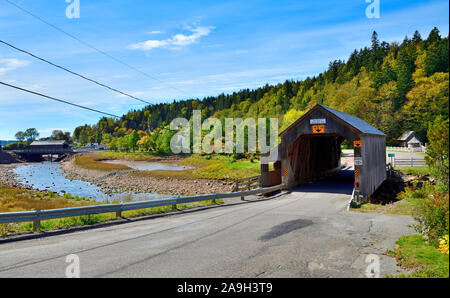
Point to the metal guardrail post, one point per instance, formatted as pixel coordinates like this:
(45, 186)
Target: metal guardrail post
(37, 222)
(119, 213)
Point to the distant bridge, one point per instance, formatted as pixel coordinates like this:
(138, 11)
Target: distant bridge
(49, 147)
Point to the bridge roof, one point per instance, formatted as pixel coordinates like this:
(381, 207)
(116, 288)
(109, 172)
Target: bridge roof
(48, 143)
(349, 120)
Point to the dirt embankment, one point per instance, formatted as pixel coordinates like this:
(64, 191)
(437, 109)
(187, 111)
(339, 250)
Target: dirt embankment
(9, 158)
(139, 182)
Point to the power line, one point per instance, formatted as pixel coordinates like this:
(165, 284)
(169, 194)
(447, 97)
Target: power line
(57, 99)
(96, 49)
(72, 72)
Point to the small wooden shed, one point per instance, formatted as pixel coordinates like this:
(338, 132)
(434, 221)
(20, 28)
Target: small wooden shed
(311, 147)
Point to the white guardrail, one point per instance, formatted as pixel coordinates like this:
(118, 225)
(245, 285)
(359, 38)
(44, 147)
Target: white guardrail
(412, 162)
(407, 149)
(38, 215)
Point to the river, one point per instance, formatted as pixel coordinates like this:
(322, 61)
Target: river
(47, 176)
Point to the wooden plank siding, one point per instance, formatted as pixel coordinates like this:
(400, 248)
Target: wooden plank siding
(373, 153)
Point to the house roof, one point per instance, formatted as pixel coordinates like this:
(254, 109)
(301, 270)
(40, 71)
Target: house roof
(414, 140)
(48, 143)
(406, 135)
(353, 121)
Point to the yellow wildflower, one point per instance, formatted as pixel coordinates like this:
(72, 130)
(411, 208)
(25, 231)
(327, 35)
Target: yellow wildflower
(443, 245)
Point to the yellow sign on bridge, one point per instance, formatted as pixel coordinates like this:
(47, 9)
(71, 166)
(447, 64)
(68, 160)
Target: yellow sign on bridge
(318, 128)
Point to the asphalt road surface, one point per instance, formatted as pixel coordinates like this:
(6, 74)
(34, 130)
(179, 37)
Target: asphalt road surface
(303, 233)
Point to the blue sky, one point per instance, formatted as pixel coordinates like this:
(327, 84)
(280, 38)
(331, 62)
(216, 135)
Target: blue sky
(192, 48)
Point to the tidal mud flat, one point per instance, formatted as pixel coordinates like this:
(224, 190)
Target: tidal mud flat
(136, 181)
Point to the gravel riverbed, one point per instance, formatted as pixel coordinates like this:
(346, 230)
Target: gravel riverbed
(144, 183)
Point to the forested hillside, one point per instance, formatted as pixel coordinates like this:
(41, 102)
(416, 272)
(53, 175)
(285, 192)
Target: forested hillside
(394, 86)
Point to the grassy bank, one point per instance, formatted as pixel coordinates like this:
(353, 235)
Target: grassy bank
(414, 253)
(94, 162)
(201, 167)
(13, 199)
(416, 171)
(406, 204)
(137, 156)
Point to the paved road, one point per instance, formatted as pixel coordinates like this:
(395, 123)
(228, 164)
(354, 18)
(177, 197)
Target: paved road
(305, 233)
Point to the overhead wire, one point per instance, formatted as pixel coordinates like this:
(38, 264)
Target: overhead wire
(59, 100)
(96, 49)
(72, 72)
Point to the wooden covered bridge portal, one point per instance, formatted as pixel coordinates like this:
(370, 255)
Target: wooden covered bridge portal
(311, 148)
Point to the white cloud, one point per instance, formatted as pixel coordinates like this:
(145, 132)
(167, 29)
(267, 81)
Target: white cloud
(156, 32)
(175, 42)
(9, 64)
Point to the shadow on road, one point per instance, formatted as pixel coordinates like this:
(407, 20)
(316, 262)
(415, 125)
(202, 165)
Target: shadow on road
(341, 183)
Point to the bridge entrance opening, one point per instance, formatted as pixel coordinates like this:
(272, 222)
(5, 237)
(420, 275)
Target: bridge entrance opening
(312, 157)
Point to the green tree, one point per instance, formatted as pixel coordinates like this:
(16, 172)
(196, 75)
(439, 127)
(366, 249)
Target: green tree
(20, 136)
(107, 138)
(405, 69)
(436, 59)
(132, 140)
(146, 144)
(84, 138)
(31, 134)
(437, 157)
(113, 145)
(57, 135)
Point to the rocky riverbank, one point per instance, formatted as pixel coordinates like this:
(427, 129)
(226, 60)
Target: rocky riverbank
(8, 177)
(135, 181)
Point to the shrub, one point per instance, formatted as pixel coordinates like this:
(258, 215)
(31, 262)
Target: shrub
(437, 156)
(16, 146)
(432, 213)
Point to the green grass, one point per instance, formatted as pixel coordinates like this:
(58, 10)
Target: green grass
(15, 200)
(137, 156)
(403, 207)
(416, 171)
(221, 167)
(414, 253)
(94, 162)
